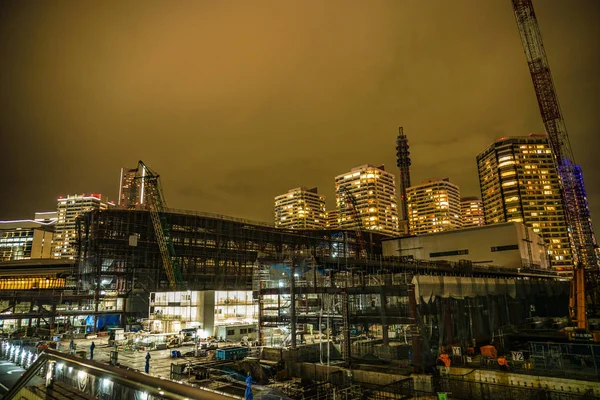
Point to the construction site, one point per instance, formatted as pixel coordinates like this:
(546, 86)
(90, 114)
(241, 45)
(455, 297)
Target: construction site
(314, 313)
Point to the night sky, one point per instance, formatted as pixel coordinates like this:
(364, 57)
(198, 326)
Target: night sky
(236, 102)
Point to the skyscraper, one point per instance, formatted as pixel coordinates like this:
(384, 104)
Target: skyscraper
(471, 212)
(373, 204)
(300, 208)
(433, 206)
(403, 163)
(129, 189)
(333, 219)
(69, 209)
(519, 183)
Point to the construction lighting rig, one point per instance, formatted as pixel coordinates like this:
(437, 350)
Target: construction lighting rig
(573, 194)
(152, 199)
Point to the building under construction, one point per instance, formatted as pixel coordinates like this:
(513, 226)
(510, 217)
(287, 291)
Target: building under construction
(337, 291)
(393, 310)
(120, 256)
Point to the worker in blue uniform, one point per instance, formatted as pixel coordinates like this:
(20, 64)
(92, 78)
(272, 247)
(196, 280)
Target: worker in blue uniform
(248, 394)
(147, 368)
(92, 347)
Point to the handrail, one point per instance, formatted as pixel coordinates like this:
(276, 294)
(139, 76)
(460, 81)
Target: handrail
(156, 387)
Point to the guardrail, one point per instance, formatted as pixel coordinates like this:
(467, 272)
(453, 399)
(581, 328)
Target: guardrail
(94, 378)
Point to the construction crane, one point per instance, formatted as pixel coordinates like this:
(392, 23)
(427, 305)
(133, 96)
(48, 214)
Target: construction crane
(151, 198)
(574, 199)
(350, 203)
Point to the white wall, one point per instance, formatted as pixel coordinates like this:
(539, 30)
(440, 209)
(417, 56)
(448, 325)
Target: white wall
(478, 241)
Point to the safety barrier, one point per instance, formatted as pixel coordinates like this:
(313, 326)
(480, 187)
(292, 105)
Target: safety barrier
(91, 378)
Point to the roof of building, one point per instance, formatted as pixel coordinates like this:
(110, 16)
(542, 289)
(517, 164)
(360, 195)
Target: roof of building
(510, 138)
(458, 230)
(429, 182)
(36, 267)
(25, 224)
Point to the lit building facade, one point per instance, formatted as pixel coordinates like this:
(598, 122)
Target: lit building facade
(25, 239)
(207, 311)
(129, 189)
(366, 198)
(300, 208)
(519, 183)
(68, 209)
(433, 206)
(333, 219)
(471, 212)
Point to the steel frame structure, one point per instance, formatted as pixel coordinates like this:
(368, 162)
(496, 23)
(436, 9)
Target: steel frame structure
(213, 252)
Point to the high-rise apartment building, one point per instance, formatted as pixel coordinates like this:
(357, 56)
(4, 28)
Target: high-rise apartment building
(433, 206)
(129, 189)
(68, 209)
(367, 195)
(300, 208)
(26, 239)
(519, 183)
(333, 219)
(471, 212)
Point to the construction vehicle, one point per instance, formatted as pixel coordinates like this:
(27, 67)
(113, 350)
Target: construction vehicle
(152, 199)
(585, 260)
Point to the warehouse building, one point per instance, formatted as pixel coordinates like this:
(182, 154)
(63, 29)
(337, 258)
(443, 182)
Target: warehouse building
(510, 245)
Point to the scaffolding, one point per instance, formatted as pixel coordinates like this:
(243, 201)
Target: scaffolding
(213, 252)
(366, 310)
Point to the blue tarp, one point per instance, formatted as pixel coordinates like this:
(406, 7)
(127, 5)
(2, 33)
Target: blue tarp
(103, 321)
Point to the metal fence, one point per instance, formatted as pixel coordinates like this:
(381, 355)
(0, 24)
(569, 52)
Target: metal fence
(472, 390)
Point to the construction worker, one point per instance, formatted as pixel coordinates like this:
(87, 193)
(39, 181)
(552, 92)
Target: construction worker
(147, 367)
(445, 359)
(503, 363)
(72, 347)
(92, 347)
(248, 394)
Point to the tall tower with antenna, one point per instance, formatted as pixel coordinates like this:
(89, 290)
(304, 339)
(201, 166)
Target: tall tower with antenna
(403, 163)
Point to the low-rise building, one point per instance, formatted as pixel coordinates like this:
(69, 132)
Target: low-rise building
(26, 239)
(509, 245)
(207, 311)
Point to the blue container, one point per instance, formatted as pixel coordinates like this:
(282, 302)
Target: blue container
(232, 353)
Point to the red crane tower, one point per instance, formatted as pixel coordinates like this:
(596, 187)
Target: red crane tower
(574, 199)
